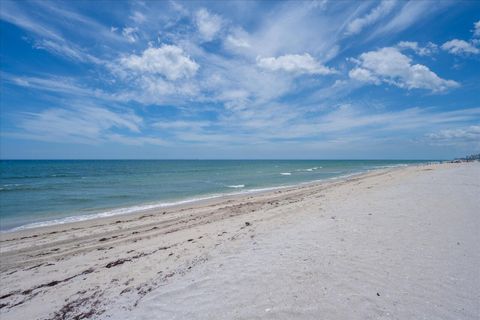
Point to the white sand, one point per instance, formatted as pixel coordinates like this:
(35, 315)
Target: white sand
(397, 244)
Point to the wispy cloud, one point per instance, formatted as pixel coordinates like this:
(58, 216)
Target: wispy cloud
(54, 84)
(130, 33)
(138, 17)
(66, 50)
(13, 14)
(358, 24)
(411, 13)
(466, 135)
(84, 124)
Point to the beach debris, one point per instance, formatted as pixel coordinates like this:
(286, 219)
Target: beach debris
(116, 263)
(247, 223)
(126, 290)
(82, 308)
(34, 267)
(44, 285)
(378, 294)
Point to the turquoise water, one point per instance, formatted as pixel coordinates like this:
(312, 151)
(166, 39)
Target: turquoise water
(34, 193)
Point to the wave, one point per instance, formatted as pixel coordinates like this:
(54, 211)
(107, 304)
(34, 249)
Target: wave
(309, 169)
(43, 176)
(25, 187)
(237, 186)
(286, 173)
(11, 185)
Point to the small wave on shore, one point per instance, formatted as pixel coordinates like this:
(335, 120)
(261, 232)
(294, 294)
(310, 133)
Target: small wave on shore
(237, 186)
(309, 169)
(286, 173)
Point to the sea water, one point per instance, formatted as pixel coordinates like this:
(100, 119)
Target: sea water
(44, 192)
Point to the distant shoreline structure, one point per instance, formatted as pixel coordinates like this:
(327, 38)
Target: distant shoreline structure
(470, 158)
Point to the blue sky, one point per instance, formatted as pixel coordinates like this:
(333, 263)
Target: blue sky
(171, 79)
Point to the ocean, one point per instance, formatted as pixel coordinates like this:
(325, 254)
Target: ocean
(45, 192)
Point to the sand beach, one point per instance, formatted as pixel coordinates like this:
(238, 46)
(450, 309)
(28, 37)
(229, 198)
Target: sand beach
(398, 243)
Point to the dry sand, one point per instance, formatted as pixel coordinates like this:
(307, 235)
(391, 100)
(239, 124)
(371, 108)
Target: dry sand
(390, 244)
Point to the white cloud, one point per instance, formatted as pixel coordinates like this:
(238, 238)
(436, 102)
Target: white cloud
(373, 16)
(295, 63)
(391, 66)
(428, 50)
(208, 24)
(363, 75)
(459, 47)
(130, 34)
(476, 30)
(168, 60)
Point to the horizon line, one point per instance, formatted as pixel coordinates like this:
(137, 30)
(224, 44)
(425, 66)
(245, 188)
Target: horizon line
(221, 159)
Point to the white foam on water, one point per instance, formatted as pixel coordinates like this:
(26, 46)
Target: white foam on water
(237, 186)
(286, 173)
(309, 169)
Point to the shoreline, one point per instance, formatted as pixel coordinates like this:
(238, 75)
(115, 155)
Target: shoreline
(158, 206)
(284, 252)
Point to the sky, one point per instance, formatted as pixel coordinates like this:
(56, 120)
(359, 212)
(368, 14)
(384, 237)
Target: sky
(239, 79)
